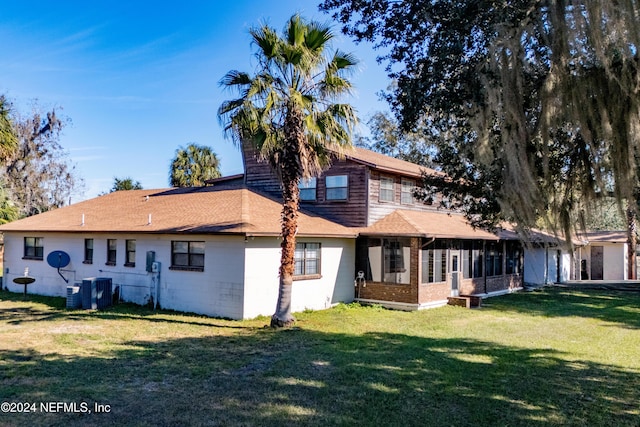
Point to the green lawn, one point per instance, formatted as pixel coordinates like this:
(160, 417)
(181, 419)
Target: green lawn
(556, 357)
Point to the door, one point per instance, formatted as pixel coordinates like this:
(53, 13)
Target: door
(596, 262)
(455, 273)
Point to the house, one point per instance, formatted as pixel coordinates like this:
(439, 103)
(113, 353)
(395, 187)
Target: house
(409, 254)
(603, 256)
(216, 248)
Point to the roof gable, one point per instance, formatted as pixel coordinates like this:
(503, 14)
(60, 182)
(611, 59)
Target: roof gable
(427, 224)
(386, 163)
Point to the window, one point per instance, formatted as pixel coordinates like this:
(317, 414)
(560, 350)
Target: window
(187, 255)
(307, 259)
(112, 245)
(307, 189)
(406, 194)
(337, 187)
(434, 262)
(88, 251)
(386, 189)
(130, 254)
(33, 248)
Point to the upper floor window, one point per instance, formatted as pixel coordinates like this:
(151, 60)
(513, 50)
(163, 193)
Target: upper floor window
(386, 189)
(112, 246)
(33, 248)
(307, 259)
(307, 189)
(337, 187)
(406, 194)
(187, 255)
(130, 254)
(88, 251)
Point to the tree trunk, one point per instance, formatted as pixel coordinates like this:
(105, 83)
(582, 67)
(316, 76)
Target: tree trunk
(282, 316)
(290, 171)
(631, 242)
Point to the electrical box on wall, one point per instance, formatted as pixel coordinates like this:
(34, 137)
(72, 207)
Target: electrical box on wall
(151, 258)
(155, 267)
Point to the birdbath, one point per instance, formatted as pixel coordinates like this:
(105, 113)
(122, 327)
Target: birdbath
(24, 280)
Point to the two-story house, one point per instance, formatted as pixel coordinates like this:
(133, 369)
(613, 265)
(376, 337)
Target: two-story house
(215, 249)
(408, 254)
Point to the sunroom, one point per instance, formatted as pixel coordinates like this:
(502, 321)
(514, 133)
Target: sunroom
(412, 260)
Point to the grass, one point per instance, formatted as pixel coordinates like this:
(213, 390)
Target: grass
(557, 357)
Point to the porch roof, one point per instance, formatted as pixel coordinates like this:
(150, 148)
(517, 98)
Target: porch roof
(605, 236)
(426, 224)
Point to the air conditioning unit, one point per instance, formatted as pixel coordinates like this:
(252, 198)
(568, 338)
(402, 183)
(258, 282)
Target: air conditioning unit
(74, 297)
(96, 293)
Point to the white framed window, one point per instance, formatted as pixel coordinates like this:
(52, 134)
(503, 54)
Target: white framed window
(130, 253)
(112, 250)
(33, 248)
(308, 189)
(337, 187)
(307, 259)
(406, 193)
(187, 255)
(386, 189)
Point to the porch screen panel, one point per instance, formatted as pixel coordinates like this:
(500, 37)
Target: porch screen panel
(434, 263)
(375, 259)
(477, 256)
(396, 260)
(514, 257)
(467, 265)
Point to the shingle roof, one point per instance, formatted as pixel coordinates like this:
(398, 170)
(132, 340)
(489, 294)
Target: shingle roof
(605, 236)
(386, 163)
(426, 224)
(203, 210)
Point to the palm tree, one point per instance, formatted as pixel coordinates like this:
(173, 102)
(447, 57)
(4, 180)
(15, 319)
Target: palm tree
(289, 112)
(125, 184)
(193, 166)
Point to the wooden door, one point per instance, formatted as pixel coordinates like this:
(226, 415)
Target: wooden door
(597, 253)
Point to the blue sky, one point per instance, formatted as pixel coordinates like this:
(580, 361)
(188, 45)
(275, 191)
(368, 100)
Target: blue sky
(139, 79)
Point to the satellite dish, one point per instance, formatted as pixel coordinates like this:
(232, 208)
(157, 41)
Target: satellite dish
(59, 259)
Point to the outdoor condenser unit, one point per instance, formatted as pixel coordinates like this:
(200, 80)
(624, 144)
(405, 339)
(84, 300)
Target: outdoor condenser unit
(96, 293)
(74, 297)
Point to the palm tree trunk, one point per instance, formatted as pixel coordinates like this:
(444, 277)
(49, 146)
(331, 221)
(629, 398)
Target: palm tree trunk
(631, 242)
(290, 170)
(282, 316)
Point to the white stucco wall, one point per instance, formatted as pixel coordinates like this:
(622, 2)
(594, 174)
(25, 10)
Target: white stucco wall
(541, 265)
(232, 285)
(565, 268)
(216, 291)
(614, 260)
(261, 276)
(535, 266)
